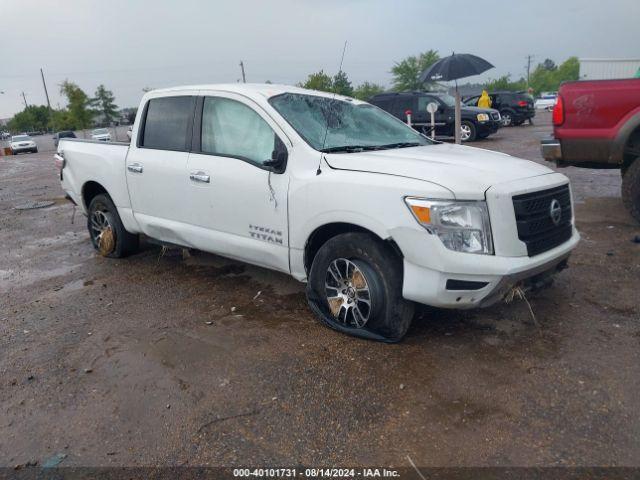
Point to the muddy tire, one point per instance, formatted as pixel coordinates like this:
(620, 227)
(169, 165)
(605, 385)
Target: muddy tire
(631, 189)
(106, 231)
(355, 286)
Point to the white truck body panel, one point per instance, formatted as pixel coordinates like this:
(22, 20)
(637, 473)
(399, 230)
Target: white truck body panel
(264, 218)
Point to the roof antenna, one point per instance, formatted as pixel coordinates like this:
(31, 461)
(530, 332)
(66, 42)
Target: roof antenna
(326, 131)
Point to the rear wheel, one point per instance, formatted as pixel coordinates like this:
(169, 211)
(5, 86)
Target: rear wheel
(107, 233)
(467, 131)
(631, 189)
(507, 118)
(355, 286)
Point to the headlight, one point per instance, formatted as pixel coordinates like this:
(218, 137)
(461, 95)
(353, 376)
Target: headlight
(483, 117)
(462, 226)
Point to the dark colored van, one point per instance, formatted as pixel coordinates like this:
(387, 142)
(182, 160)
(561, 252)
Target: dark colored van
(476, 123)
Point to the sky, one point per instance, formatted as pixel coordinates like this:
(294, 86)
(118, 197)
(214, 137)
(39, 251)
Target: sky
(128, 45)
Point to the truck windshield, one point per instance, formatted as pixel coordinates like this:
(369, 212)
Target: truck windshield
(337, 125)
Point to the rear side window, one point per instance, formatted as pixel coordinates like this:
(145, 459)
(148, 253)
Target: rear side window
(167, 123)
(232, 129)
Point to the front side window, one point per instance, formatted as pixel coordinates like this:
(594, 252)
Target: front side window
(167, 122)
(329, 124)
(232, 129)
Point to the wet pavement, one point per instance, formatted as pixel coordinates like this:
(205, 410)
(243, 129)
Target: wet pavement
(159, 359)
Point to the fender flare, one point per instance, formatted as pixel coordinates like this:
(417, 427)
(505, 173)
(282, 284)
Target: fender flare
(630, 125)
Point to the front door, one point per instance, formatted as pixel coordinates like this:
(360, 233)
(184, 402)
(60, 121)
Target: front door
(240, 205)
(156, 166)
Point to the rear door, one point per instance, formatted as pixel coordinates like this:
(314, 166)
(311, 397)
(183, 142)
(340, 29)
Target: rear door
(239, 207)
(156, 166)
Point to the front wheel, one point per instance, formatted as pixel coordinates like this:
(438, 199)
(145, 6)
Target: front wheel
(467, 131)
(107, 233)
(631, 189)
(355, 286)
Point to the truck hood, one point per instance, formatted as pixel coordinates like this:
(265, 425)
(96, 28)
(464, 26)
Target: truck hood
(466, 171)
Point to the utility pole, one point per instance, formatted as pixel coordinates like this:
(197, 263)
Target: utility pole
(244, 79)
(25, 100)
(529, 58)
(44, 84)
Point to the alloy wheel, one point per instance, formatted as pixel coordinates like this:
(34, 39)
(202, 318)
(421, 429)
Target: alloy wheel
(348, 293)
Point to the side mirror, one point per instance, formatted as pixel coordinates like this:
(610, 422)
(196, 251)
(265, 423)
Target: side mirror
(279, 156)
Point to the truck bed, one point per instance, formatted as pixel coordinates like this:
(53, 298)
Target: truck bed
(96, 162)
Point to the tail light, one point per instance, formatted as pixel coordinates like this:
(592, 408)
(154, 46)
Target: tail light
(58, 159)
(522, 103)
(558, 112)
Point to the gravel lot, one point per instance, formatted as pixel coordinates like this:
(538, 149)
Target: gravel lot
(114, 362)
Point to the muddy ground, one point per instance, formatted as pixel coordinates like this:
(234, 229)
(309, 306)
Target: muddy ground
(113, 362)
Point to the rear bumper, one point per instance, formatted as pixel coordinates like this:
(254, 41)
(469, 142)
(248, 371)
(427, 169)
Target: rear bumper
(551, 150)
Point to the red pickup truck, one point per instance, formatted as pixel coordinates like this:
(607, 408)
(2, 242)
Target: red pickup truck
(596, 124)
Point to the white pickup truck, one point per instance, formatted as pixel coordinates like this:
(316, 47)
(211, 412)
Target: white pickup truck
(331, 190)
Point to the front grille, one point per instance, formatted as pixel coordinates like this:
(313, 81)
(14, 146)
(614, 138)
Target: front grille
(536, 227)
(495, 115)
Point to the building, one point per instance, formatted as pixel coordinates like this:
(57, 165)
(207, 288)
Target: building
(609, 68)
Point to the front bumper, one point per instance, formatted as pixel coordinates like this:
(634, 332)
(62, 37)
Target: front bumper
(31, 148)
(488, 128)
(436, 276)
(491, 278)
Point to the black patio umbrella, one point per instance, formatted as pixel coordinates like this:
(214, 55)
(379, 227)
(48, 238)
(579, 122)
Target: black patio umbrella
(453, 67)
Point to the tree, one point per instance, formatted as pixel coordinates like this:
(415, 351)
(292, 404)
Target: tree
(32, 118)
(78, 103)
(366, 90)
(549, 64)
(103, 102)
(406, 73)
(545, 80)
(318, 81)
(504, 83)
(341, 84)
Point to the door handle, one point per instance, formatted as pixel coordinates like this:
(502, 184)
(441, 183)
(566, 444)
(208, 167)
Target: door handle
(199, 177)
(135, 168)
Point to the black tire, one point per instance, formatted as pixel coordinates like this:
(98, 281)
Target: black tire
(507, 118)
(472, 131)
(125, 243)
(631, 189)
(35, 150)
(390, 315)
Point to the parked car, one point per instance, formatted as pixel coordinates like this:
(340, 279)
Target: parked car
(596, 124)
(101, 134)
(331, 190)
(546, 101)
(475, 122)
(4, 135)
(22, 143)
(63, 134)
(515, 107)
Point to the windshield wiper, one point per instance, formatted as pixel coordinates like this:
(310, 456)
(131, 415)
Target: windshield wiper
(348, 148)
(399, 145)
